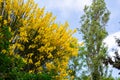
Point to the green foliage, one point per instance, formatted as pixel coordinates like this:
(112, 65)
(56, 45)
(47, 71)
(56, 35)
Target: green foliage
(5, 36)
(78, 65)
(43, 76)
(11, 68)
(93, 24)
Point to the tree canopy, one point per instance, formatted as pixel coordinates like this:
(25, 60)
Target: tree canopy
(44, 45)
(92, 54)
(93, 24)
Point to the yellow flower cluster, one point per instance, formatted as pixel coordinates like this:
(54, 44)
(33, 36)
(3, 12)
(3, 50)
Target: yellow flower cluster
(42, 42)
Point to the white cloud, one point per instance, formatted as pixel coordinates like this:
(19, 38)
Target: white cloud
(110, 42)
(72, 5)
(64, 6)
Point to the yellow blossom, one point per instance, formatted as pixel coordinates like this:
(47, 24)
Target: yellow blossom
(30, 61)
(0, 17)
(5, 22)
(30, 71)
(38, 39)
(4, 51)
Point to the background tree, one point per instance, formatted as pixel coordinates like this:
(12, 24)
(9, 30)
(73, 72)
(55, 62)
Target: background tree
(93, 24)
(79, 68)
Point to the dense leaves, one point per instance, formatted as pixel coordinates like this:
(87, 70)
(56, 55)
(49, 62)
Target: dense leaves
(43, 45)
(93, 24)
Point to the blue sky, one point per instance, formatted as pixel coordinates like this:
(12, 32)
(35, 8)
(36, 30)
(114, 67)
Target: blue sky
(72, 10)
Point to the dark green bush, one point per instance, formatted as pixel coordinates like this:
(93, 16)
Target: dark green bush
(11, 68)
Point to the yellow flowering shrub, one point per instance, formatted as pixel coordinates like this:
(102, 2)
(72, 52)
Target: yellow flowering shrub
(44, 44)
